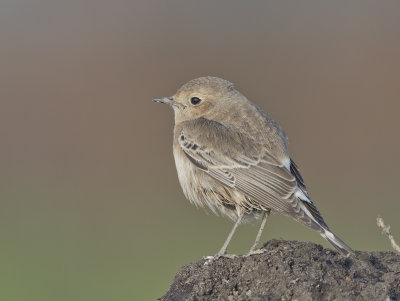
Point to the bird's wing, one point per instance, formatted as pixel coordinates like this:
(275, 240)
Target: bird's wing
(238, 161)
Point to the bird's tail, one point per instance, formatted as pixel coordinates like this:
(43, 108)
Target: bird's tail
(337, 243)
(313, 219)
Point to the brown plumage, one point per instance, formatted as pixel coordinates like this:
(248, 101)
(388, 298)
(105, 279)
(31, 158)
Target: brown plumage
(233, 158)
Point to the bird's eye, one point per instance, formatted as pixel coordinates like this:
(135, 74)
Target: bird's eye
(195, 100)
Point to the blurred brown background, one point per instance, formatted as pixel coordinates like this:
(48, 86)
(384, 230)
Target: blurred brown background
(90, 205)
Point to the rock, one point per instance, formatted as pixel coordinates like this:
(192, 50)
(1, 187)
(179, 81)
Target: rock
(290, 270)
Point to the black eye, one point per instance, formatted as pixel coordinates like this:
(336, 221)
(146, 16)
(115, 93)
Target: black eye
(195, 100)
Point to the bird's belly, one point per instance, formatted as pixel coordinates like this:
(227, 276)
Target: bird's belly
(203, 191)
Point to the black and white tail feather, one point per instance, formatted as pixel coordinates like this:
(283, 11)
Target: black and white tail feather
(312, 212)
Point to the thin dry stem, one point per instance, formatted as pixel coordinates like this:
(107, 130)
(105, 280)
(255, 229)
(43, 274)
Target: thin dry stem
(386, 231)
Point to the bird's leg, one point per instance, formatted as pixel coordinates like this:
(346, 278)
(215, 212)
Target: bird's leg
(253, 249)
(222, 252)
(228, 239)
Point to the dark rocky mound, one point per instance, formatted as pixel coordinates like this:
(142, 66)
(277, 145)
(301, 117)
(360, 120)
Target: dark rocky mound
(290, 270)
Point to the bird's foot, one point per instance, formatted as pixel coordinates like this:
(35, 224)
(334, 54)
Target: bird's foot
(211, 258)
(255, 252)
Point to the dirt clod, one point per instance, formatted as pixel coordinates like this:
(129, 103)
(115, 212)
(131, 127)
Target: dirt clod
(290, 270)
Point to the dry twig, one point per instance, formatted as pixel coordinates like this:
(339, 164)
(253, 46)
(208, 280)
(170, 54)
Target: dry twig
(386, 231)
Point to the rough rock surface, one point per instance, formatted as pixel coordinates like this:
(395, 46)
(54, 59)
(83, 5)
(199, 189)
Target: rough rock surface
(290, 270)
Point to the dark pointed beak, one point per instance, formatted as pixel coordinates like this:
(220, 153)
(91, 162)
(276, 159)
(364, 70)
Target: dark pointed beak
(167, 100)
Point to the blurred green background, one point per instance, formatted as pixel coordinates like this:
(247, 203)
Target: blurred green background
(90, 205)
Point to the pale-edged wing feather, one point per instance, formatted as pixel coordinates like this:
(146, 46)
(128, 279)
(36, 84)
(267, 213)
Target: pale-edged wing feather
(296, 172)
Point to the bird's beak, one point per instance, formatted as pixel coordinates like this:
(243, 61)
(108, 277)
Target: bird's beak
(167, 100)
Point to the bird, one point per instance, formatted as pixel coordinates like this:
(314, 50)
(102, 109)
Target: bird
(232, 158)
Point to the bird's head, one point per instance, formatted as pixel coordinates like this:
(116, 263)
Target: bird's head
(200, 97)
